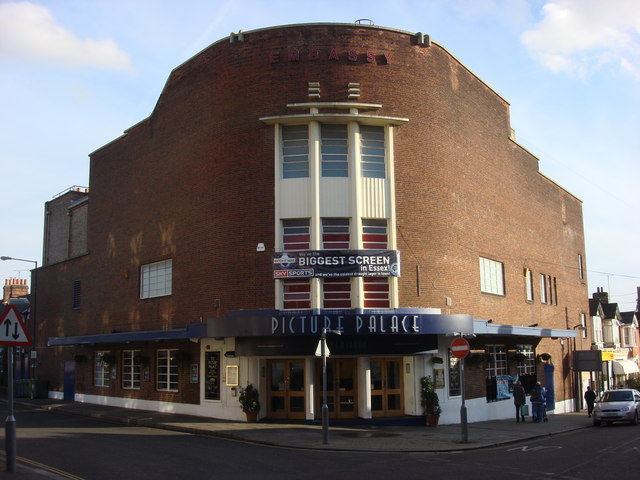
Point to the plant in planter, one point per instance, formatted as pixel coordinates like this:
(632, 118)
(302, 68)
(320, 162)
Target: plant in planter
(250, 402)
(430, 401)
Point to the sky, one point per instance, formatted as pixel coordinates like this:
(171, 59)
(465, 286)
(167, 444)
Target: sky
(74, 74)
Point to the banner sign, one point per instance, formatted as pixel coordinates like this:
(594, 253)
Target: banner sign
(336, 263)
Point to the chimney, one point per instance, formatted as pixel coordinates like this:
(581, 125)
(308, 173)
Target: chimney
(13, 288)
(601, 295)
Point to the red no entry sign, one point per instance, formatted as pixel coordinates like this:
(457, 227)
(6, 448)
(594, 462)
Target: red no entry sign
(460, 347)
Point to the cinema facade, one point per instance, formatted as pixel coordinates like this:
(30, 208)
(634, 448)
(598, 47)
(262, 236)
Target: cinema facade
(341, 180)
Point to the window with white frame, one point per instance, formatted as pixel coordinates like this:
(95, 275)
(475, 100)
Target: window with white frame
(131, 369)
(628, 336)
(295, 151)
(372, 151)
(335, 233)
(167, 370)
(296, 293)
(156, 279)
(334, 150)
(528, 284)
(526, 363)
(583, 322)
(336, 292)
(101, 369)
(295, 234)
(497, 364)
(374, 234)
(491, 276)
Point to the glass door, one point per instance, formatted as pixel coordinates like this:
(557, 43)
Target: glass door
(341, 387)
(286, 389)
(386, 387)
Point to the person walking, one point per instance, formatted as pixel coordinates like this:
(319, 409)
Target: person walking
(590, 398)
(537, 403)
(519, 400)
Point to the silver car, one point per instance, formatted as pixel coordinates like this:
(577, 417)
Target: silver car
(617, 406)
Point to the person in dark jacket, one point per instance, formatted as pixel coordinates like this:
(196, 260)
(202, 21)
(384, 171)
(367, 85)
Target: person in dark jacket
(519, 399)
(590, 398)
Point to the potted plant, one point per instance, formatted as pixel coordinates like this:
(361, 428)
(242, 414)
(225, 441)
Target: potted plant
(250, 402)
(430, 401)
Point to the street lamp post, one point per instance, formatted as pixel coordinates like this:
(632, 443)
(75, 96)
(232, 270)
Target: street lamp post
(325, 407)
(33, 357)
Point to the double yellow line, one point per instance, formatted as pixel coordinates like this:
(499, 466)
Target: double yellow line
(47, 468)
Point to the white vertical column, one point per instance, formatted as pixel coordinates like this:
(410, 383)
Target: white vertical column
(315, 160)
(391, 186)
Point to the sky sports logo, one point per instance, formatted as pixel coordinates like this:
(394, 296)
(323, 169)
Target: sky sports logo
(292, 273)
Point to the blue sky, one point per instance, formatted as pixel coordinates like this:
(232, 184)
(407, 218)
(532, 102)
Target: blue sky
(74, 74)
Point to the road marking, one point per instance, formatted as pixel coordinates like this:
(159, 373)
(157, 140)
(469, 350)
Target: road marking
(49, 469)
(526, 448)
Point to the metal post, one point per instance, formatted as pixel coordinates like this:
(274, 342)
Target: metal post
(325, 407)
(10, 426)
(463, 407)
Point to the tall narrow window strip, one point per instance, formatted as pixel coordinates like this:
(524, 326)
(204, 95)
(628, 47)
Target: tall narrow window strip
(491, 276)
(295, 235)
(156, 279)
(336, 293)
(372, 150)
(580, 267)
(296, 294)
(334, 150)
(335, 233)
(528, 281)
(543, 288)
(295, 151)
(374, 234)
(376, 292)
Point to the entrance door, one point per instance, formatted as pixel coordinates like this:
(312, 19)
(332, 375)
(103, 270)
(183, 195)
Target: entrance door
(341, 387)
(386, 387)
(286, 389)
(69, 392)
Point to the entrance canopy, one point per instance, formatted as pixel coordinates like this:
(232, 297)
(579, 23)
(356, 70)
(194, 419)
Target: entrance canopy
(194, 330)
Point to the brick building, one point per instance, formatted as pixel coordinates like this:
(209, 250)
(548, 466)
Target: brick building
(290, 179)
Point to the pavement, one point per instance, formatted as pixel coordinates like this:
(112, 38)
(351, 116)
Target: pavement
(391, 437)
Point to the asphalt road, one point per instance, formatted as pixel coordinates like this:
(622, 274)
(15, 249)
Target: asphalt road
(94, 450)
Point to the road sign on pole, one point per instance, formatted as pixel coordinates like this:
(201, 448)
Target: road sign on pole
(460, 347)
(13, 331)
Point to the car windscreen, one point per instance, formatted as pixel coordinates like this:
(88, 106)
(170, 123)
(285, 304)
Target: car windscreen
(617, 397)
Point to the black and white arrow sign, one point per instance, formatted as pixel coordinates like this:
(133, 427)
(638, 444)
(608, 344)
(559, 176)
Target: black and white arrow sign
(13, 331)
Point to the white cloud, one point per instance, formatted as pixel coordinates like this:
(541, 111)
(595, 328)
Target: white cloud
(30, 32)
(579, 36)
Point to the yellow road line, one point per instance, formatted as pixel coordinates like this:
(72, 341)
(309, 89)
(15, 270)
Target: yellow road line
(48, 468)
